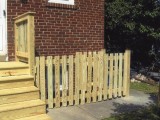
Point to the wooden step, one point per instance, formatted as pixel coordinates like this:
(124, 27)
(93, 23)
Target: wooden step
(16, 81)
(13, 68)
(18, 110)
(37, 117)
(18, 94)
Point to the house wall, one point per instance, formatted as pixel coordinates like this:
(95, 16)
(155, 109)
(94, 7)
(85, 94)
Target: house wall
(61, 29)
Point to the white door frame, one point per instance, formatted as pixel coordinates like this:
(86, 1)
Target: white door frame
(3, 14)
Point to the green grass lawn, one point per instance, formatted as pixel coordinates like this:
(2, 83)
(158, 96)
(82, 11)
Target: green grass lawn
(150, 113)
(150, 89)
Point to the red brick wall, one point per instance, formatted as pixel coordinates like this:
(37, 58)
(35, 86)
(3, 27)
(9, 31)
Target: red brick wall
(61, 29)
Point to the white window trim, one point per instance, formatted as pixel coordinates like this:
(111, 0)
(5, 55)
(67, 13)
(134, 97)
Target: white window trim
(69, 2)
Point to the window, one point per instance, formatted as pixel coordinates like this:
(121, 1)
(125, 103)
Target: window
(68, 2)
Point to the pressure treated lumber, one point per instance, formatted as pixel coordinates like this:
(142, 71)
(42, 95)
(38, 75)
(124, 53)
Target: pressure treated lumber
(42, 78)
(89, 77)
(18, 94)
(120, 74)
(15, 78)
(111, 76)
(105, 77)
(37, 117)
(126, 83)
(16, 81)
(57, 79)
(21, 109)
(64, 81)
(50, 82)
(95, 76)
(13, 68)
(84, 77)
(25, 39)
(19, 98)
(77, 77)
(71, 80)
(12, 65)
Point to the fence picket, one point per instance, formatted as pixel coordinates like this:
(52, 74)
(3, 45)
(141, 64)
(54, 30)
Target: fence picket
(95, 76)
(105, 77)
(50, 81)
(84, 80)
(42, 78)
(57, 81)
(120, 75)
(37, 72)
(81, 75)
(115, 74)
(110, 76)
(128, 71)
(77, 77)
(98, 75)
(64, 81)
(100, 62)
(89, 85)
(71, 80)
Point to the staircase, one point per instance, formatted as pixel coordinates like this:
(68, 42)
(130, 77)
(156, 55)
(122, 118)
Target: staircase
(19, 98)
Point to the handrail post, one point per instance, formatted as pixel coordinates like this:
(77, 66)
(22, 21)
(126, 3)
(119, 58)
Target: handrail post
(31, 43)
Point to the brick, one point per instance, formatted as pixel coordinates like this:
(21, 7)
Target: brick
(61, 29)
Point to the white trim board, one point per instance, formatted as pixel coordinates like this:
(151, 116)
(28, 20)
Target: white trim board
(68, 2)
(3, 30)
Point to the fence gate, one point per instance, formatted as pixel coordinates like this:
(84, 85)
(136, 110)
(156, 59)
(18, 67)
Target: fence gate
(82, 78)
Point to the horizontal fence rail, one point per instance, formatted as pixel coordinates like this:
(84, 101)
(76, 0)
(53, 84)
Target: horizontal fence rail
(82, 78)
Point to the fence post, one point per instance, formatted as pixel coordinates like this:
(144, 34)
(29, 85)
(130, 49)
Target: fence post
(42, 79)
(127, 72)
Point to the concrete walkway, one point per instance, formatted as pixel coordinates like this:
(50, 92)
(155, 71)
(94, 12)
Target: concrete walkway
(104, 109)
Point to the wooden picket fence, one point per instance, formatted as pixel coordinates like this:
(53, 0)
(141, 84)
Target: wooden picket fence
(82, 78)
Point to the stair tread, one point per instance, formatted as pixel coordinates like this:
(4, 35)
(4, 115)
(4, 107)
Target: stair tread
(18, 90)
(37, 117)
(19, 105)
(12, 65)
(9, 78)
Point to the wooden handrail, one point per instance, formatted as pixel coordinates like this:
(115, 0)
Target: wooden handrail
(24, 15)
(25, 39)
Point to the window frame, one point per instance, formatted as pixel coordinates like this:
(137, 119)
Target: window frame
(69, 2)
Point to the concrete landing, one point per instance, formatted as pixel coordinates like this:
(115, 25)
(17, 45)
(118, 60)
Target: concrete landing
(100, 110)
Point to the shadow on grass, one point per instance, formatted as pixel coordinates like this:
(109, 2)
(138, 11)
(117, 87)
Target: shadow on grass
(153, 97)
(135, 112)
